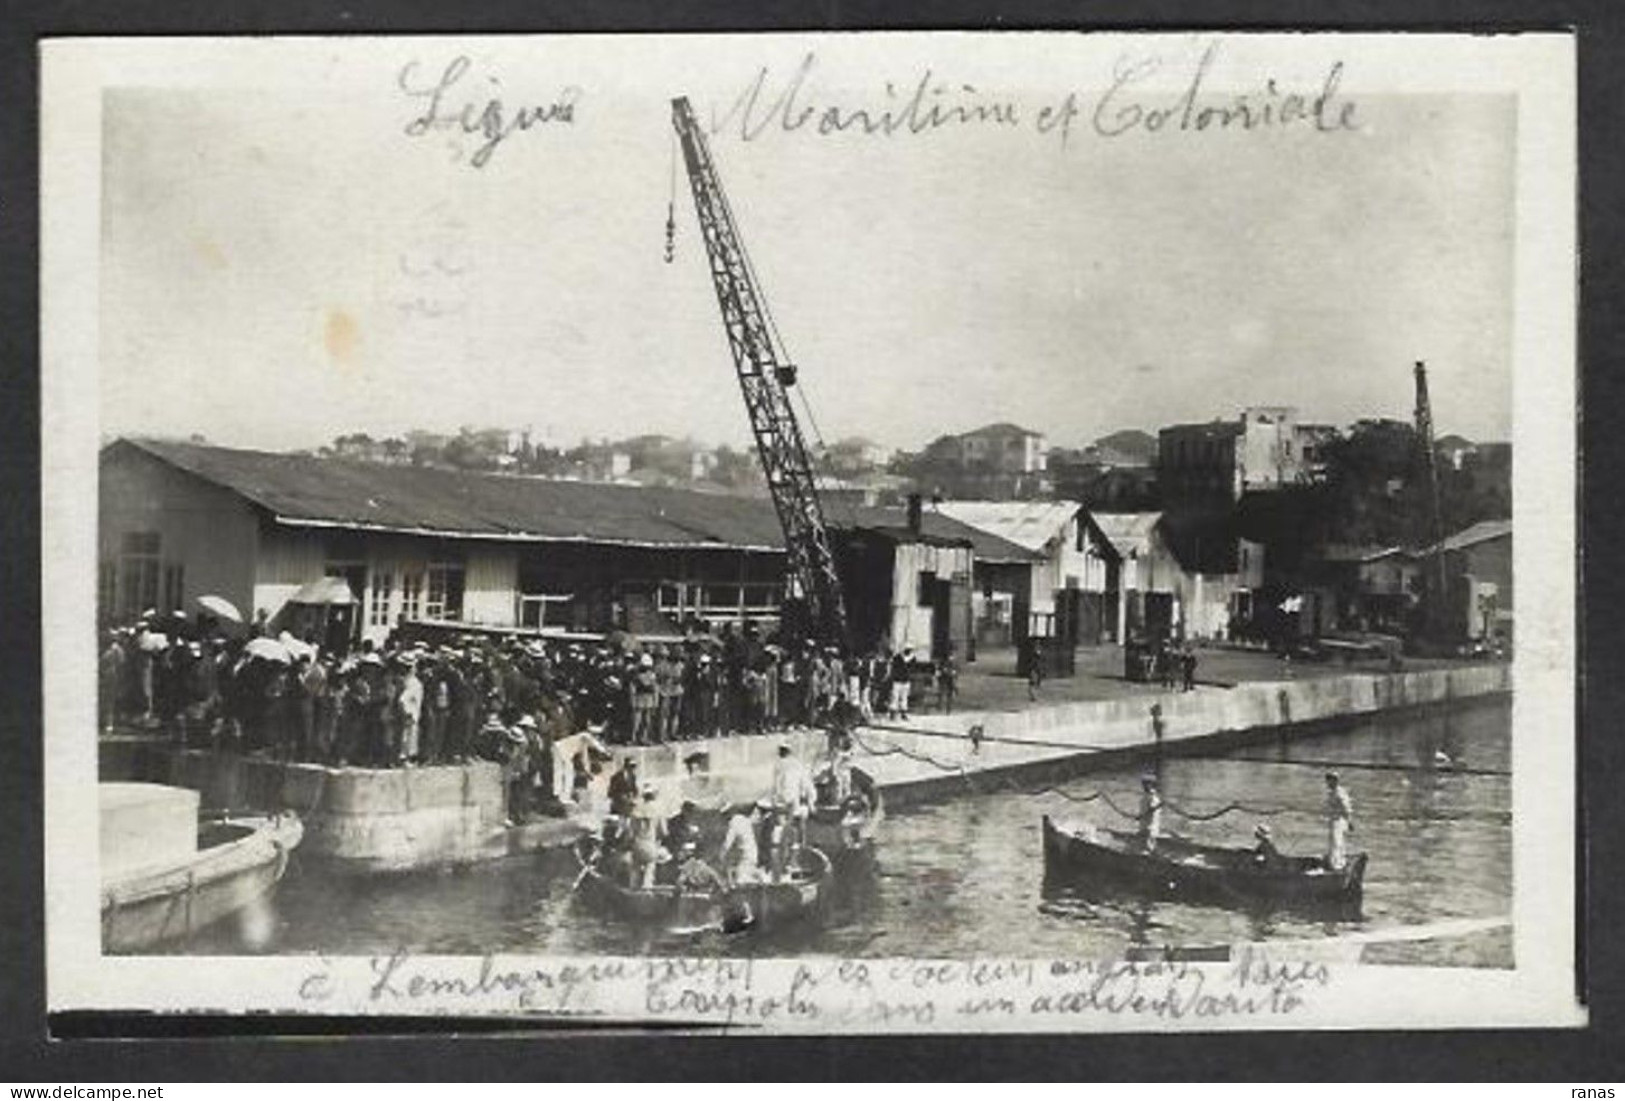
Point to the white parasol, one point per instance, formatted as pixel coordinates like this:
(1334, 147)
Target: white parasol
(268, 649)
(220, 608)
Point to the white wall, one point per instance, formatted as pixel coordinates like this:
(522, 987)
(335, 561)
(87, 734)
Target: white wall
(491, 587)
(911, 621)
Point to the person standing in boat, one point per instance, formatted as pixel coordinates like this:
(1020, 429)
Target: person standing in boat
(1339, 823)
(1150, 817)
(793, 794)
(741, 856)
(648, 833)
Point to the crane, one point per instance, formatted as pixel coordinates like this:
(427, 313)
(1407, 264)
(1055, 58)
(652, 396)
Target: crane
(765, 378)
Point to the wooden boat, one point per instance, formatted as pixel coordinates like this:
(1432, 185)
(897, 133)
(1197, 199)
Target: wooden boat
(1181, 868)
(850, 828)
(237, 861)
(736, 909)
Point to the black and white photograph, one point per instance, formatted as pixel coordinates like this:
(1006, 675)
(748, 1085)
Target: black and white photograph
(836, 533)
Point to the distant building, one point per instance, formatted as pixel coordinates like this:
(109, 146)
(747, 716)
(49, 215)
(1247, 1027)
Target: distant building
(1478, 579)
(1003, 448)
(1371, 588)
(1182, 575)
(1263, 449)
(1068, 588)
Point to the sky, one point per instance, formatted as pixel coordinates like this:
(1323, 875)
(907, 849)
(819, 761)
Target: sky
(282, 267)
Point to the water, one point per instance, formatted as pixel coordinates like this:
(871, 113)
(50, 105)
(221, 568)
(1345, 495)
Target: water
(965, 877)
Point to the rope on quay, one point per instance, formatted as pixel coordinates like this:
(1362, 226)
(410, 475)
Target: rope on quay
(1371, 766)
(1033, 742)
(964, 774)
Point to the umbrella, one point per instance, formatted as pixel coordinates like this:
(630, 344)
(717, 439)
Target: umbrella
(296, 648)
(324, 590)
(268, 649)
(220, 608)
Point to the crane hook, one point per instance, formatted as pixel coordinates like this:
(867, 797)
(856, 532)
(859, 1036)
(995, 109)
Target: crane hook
(671, 232)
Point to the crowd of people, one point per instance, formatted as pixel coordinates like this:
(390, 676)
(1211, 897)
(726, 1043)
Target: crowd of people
(405, 702)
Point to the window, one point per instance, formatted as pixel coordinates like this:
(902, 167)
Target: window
(922, 595)
(445, 596)
(139, 572)
(412, 595)
(175, 586)
(383, 588)
(106, 586)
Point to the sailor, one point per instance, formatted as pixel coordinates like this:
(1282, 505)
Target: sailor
(648, 831)
(1150, 817)
(1265, 853)
(793, 792)
(741, 856)
(1339, 823)
(623, 788)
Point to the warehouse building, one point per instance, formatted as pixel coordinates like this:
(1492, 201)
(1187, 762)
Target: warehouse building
(413, 544)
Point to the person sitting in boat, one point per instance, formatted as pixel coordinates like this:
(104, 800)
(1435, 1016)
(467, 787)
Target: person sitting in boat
(835, 778)
(623, 789)
(741, 856)
(615, 860)
(683, 828)
(1339, 823)
(1150, 817)
(1265, 854)
(694, 875)
(648, 831)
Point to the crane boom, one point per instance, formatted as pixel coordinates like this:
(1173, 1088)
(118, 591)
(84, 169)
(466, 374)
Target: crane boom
(765, 375)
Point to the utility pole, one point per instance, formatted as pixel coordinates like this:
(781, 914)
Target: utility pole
(1432, 618)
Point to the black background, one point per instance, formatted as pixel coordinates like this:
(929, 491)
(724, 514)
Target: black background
(185, 1049)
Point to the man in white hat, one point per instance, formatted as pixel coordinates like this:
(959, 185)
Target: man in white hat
(645, 691)
(409, 706)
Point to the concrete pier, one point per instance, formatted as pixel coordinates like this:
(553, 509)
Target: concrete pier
(361, 819)
(386, 820)
(932, 756)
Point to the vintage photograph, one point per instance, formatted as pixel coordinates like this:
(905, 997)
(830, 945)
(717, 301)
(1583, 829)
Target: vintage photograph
(1038, 504)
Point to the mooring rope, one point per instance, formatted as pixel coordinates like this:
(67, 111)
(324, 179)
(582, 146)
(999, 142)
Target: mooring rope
(1173, 808)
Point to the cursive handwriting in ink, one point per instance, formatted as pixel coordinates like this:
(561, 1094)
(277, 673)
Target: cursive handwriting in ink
(1118, 111)
(930, 104)
(491, 120)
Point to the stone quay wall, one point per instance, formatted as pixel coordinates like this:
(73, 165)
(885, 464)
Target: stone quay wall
(369, 820)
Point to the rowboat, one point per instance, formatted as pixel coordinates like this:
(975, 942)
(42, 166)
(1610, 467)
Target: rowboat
(1181, 868)
(850, 828)
(237, 861)
(736, 909)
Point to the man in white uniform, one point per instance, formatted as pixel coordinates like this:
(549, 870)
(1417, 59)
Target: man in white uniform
(741, 857)
(1339, 822)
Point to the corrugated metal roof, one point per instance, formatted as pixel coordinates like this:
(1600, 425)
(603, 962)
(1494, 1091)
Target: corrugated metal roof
(1345, 552)
(312, 490)
(1127, 530)
(1481, 532)
(309, 490)
(1029, 524)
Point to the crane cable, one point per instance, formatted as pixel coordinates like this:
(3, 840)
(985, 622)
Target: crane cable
(671, 205)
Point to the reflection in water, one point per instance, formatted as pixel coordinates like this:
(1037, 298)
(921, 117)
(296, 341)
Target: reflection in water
(965, 877)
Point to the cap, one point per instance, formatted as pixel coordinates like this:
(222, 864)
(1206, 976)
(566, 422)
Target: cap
(1261, 830)
(527, 721)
